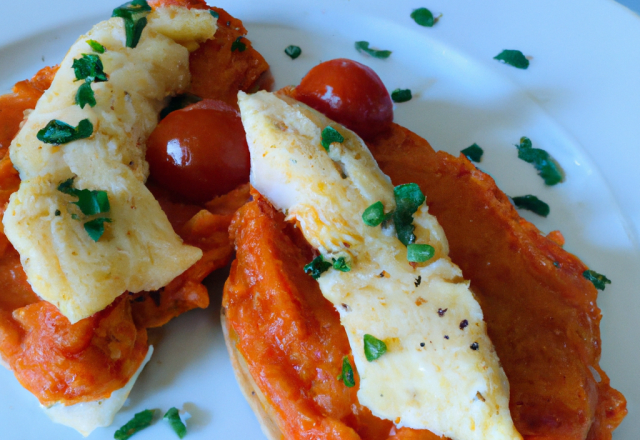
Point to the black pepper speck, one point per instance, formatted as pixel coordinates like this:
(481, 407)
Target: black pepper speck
(464, 323)
(441, 312)
(422, 344)
(418, 280)
(446, 336)
(475, 346)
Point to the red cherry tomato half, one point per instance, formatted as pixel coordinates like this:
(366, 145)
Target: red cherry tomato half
(199, 152)
(349, 93)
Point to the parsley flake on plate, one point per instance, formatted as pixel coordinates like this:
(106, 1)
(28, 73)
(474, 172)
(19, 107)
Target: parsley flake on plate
(401, 95)
(89, 68)
(373, 348)
(58, 132)
(513, 58)
(329, 136)
(347, 373)
(95, 227)
(85, 95)
(293, 51)
(532, 203)
(473, 152)
(598, 280)
(547, 167)
(363, 47)
(419, 253)
(374, 214)
(214, 14)
(408, 197)
(317, 267)
(424, 17)
(173, 417)
(96, 46)
(139, 422)
(134, 14)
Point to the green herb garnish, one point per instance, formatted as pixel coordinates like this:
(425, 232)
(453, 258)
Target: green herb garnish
(173, 417)
(58, 132)
(96, 46)
(347, 373)
(85, 96)
(134, 15)
(58, 213)
(598, 280)
(547, 167)
(317, 267)
(214, 14)
(533, 204)
(374, 214)
(373, 348)
(238, 45)
(401, 95)
(513, 58)
(474, 153)
(424, 17)
(95, 227)
(90, 202)
(363, 47)
(408, 197)
(89, 68)
(341, 264)
(293, 51)
(139, 422)
(419, 253)
(329, 136)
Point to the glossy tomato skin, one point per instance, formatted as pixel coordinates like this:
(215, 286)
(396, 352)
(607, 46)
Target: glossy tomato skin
(199, 152)
(349, 93)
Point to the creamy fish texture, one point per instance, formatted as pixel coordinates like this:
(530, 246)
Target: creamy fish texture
(138, 249)
(440, 371)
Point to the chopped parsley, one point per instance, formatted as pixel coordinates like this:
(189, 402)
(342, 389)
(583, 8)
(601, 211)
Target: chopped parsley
(408, 197)
(85, 96)
(341, 264)
(90, 202)
(96, 46)
(547, 167)
(173, 417)
(329, 136)
(473, 152)
(419, 253)
(401, 95)
(238, 45)
(139, 422)
(374, 214)
(89, 68)
(347, 373)
(424, 17)
(317, 267)
(532, 203)
(513, 58)
(598, 280)
(134, 14)
(95, 227)
(363, 47)
(58, 132)
(293, 51)
(214, 14)
(373, 348)
(58, 213)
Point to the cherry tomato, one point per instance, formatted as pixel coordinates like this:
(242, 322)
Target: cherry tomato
(200, 151)
(349, 93)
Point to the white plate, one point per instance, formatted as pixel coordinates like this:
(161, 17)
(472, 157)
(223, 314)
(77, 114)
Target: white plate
(579, 100)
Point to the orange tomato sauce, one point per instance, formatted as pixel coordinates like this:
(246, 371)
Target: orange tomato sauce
(541, 316)
(87, 361)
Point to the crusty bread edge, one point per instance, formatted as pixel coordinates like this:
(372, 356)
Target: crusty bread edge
(257, 401)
